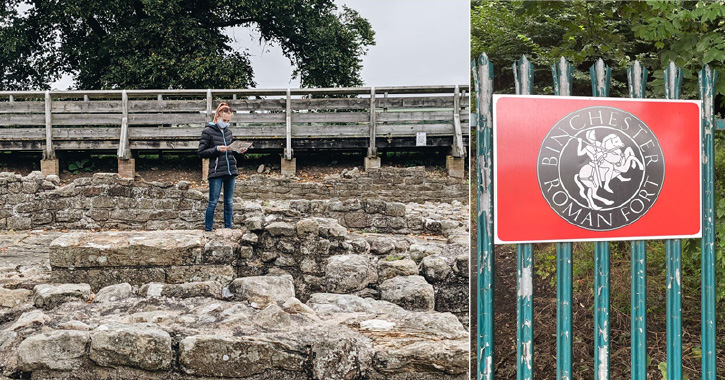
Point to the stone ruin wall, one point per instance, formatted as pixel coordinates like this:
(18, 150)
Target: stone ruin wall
(107, 201)
(166, 302)
(320, 254)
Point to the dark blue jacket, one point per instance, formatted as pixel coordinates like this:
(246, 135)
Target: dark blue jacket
(220, 163)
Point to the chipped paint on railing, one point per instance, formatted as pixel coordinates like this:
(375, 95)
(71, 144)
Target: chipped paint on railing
(707, 80)
(673, 82)
(483, 79)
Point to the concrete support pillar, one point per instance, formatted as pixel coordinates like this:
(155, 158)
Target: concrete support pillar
(372, 163)
(50, 167)
(204, 168)
(127, 168)
(289, 167)
(455, 166)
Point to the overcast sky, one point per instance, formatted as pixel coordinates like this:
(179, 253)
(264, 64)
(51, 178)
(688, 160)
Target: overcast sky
(418, 42)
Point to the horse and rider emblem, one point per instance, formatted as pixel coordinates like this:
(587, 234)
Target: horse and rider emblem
(600, 168)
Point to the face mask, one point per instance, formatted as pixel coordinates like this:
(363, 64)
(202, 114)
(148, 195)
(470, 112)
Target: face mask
(222, 124)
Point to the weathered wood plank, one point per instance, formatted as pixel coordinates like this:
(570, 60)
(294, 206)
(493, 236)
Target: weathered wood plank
(22, 119)
(242, 132)
(330, 117)
(415, 116)
(22, 107)
(171, 106)
(238, 92)
(193, 106)
(22, 134)
(331, 104)
(261, 145)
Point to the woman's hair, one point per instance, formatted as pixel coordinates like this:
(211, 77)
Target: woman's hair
(222, 107)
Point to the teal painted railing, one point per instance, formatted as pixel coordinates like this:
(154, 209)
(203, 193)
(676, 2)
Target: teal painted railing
(600, 76)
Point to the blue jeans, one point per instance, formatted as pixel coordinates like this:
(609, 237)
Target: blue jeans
(215, 187)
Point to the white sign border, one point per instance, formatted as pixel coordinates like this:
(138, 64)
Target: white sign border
(496, 98)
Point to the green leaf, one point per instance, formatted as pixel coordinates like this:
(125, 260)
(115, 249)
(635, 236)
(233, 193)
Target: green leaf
(73, 167)
(663, 369)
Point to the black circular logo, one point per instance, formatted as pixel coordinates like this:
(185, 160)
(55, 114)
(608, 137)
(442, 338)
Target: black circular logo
(600, 168)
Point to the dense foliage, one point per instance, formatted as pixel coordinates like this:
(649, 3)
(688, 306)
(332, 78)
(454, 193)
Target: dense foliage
(174, 43)
(654, 32)
(689, 33)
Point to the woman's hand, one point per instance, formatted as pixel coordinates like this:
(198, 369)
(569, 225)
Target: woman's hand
(222, 148)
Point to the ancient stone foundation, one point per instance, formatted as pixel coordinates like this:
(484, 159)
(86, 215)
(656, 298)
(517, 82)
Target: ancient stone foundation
(319, 254)
(346, 288)
(282, 298)
(107, 201)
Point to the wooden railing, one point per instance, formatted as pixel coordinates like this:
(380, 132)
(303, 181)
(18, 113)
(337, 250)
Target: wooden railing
(275, 119)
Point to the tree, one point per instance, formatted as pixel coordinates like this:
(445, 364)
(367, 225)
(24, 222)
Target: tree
(689, 33)
(175, 43)
(653, 32)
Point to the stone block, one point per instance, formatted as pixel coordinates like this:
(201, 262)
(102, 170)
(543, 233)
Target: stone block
(372, 163)
(416, 359)
(126, 248)
(456, 166)
(50, 167)
(395, 209)
(288, 167)
(204, 169)
(48, 296)
(218, 356)
(102, 277)
(19, 223)
(356, 220)
(114, 293)
(137, 346)
(10, 298)
(409, 292)
(307, 227)
(223, 274)
(452, 298)
(208, 289)
(435, 268)
(127, 168)
(349, 273)
(281, 229)
(56, 350)
(419, 251)
(392, 267)
(222, 247)
(261, 291)
(340, 354)
(460, 268)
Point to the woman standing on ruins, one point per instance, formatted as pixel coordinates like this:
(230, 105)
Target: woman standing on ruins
(214, 144)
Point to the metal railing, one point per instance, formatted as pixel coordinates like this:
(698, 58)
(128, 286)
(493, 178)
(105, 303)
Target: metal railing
(600, 76)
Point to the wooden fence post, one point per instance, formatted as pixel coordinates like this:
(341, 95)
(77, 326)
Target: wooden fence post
(288, 164)
(209, 117)
(49, 164)
(126, 164)
(372, 161)
(455, 161)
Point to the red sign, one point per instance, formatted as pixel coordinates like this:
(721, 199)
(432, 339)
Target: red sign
(579, 169)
